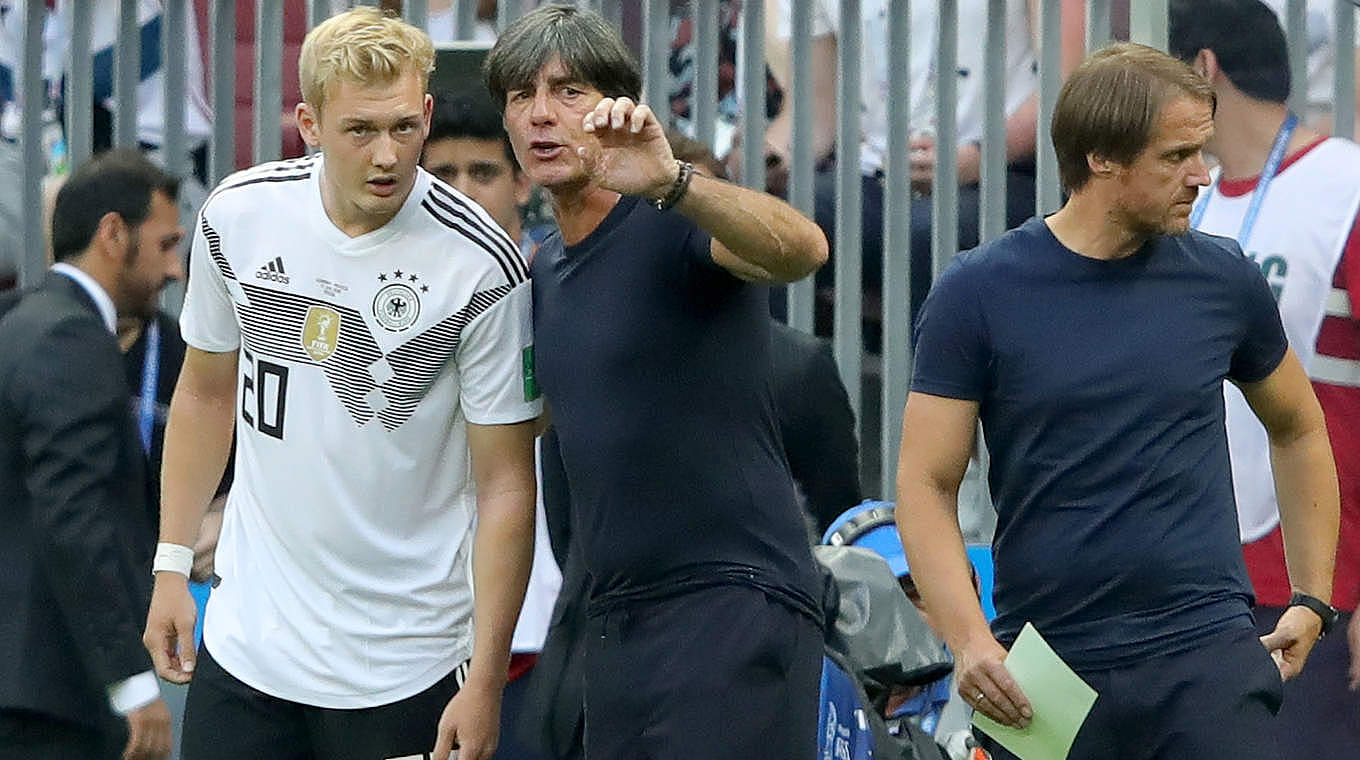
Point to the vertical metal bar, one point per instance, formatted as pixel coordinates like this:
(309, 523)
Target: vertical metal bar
(753, 95)
(1148, 22)
(317, 11)
(467, 19)
(268, 130)
(1047, 193)
(945, 188)
(127, 67)
(506, 12)
(992, 204)
(802, 294)
(1296, 34)
(174, 150)
(1097, 24)
(655, 46)
(703, 101)
(80, 87)
(416, 13)
(33, 259)
(896, 245)
(847, 338)
(222, 154)
(1343, 96)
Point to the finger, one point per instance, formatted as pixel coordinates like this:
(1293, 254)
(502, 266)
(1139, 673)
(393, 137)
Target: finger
(596, 114)
(1000, 692)
(186, 647)
(157, 644)
(443, 744)
(618, 115)
(639, 119)
(1277, 639)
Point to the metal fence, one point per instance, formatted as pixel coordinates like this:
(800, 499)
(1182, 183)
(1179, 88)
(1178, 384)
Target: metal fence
(877, 383)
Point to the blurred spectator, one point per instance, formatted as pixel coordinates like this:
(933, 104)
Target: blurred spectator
(468, 149)
(75, 553)
(1020, 108)
(1305, 236)
(442, 21)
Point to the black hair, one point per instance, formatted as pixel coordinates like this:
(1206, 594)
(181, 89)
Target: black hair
(121, 182)
(469, 113)
(588, 47)
(1246, 38)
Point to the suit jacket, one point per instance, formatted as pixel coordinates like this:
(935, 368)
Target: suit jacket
(75, 540)
(815, 422)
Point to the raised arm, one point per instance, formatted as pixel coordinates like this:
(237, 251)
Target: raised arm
(937, 438)
(1310, 503)
(197, 441)
(755, 235)
(503, 466)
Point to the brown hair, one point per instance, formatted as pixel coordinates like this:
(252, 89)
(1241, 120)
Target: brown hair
(1111, 104)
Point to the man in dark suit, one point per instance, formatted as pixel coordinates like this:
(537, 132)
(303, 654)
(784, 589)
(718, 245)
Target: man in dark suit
(75, 680)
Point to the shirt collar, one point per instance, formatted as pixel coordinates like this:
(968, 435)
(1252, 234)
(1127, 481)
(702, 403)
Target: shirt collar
(101, 298)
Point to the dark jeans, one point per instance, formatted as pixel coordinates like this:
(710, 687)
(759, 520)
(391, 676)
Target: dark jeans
(30, 736)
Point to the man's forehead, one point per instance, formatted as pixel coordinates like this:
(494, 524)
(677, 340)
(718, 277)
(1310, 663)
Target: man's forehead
(469, 150)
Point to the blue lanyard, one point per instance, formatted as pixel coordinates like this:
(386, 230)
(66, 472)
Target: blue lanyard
(1258, 196)
(151, 367)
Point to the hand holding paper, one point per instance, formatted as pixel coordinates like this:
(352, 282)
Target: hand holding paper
(1060, 699)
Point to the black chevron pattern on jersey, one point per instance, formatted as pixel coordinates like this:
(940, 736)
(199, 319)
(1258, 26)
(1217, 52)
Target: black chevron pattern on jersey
(418, 362)
(272, 324)
(215, 249)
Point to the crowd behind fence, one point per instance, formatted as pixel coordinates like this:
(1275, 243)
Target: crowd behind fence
(877, 381)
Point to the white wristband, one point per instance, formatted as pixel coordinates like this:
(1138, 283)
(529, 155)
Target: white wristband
(173, 558)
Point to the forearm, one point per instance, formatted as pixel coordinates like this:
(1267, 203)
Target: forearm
(197, 443)
(501, 558)
(1306, 488)
(757, 228)
(930, 534)
(1022, 130)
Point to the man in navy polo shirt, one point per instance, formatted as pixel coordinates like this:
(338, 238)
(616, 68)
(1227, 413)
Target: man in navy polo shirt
(653, 351)
(1093, 345)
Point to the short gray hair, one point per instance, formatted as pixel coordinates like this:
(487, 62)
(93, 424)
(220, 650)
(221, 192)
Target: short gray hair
(589, 49)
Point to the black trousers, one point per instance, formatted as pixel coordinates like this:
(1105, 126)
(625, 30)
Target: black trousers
(32, 736)
(224, 719)
(1321, 715)
(1217, 700)
(724, 673)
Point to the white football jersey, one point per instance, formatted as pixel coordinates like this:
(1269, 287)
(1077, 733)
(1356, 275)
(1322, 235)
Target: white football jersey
(345, 548)
(1297, 240)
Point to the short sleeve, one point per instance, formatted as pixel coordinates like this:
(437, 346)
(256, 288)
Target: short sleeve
(1263, 343)
(208, 320)
(496, 362)
(952, 350)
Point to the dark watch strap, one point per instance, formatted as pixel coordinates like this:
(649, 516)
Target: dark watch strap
(1327, 612)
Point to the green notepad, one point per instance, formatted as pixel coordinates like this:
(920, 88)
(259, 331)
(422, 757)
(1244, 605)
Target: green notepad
(1061, 701)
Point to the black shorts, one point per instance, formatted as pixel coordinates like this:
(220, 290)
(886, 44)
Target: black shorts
(224, 719)
(721, 673)
(1217, 700)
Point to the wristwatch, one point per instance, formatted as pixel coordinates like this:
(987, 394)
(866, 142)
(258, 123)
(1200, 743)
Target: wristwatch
(1327, 612)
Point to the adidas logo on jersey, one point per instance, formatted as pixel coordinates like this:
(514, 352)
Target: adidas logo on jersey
(273, 271)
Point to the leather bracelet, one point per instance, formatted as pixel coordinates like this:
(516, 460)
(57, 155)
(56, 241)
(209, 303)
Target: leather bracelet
(678, 188)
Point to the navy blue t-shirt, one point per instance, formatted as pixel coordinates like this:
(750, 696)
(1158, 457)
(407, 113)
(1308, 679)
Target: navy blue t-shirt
(1100, 390)
(656, 366)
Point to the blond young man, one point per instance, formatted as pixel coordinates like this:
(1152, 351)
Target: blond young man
(366, 332)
